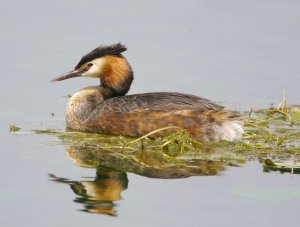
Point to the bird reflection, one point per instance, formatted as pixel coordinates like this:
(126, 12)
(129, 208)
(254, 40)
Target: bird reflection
(101, 194)
(98, 195)
(149, 164)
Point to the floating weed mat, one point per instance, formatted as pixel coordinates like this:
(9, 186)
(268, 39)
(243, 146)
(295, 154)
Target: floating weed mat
(177, 141)
(291, 167)
(274, 136)
(271, 134)
(175, 154)
(14, 128)
(272, 130)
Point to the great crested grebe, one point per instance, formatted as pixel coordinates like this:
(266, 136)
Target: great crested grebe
(106, 109)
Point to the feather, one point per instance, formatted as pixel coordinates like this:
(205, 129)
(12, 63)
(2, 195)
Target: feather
(114, 49)
(157, 101)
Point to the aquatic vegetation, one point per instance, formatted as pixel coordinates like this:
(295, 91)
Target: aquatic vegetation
(272, 129)
(295, 112)
(48, 131)
(14, 128)
(292, 167)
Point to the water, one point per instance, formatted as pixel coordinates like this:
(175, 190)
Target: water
(241, 53)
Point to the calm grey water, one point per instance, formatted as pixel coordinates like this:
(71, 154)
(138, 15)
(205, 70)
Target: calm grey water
(242, 53)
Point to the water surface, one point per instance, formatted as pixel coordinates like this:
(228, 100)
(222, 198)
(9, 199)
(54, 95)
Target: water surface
(241, 53)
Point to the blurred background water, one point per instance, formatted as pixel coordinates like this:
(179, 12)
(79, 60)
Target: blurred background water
(241, 53)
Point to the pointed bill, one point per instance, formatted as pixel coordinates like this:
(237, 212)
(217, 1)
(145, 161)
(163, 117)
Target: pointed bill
(71, 74)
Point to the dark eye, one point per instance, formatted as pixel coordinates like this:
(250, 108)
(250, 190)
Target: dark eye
(90, 65)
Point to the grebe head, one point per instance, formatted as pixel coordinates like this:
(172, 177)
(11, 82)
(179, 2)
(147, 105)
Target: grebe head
(106, 63)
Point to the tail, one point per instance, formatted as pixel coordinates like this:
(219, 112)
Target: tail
(225, 125)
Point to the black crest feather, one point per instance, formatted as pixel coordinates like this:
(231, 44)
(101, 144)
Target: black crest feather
(114, 49)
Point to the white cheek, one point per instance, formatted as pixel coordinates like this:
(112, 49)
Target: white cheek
(96, 69)
(92, 72)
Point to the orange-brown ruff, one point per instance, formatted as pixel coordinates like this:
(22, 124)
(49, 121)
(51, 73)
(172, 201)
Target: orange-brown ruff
(106, 109)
